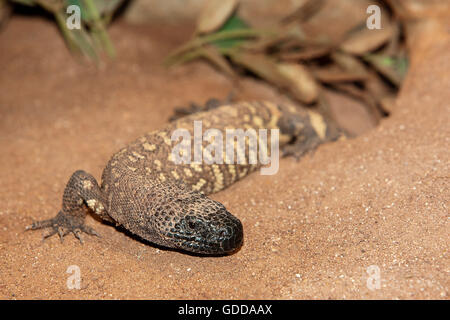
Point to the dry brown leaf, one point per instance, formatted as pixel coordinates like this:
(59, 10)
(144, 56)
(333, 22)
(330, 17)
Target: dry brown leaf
(349, 63)
(334, 74)
(387, 70)
(279, 36)
(336, 18)
(305, 12)
(362, 95)
(289, 76)
(366, 40)
(394, 44)
(301, 83)
(420, 9)
(350, 114)
(306, 53)
(376, 86)
(214, 56)
(214, 14)
(388, 103)
(352, 90)
(261, 65)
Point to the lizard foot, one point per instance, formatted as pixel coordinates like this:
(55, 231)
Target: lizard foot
(63, 224)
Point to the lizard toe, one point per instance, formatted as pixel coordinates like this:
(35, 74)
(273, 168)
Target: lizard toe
(63, 224)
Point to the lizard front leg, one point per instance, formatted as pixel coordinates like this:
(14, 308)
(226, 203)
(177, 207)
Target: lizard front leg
(81, 192)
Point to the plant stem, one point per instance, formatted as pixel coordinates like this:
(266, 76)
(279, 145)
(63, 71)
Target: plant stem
(61, 21)
(99, 28)
(222, 35)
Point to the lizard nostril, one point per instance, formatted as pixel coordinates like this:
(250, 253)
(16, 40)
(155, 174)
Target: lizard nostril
(231, 237)
(222, 233)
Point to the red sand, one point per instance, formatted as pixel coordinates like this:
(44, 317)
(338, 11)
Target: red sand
(311, 231)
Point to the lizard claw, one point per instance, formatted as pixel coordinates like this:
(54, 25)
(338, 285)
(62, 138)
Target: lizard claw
(63, 224)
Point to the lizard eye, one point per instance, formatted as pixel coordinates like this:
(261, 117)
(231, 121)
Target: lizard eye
(192, 224)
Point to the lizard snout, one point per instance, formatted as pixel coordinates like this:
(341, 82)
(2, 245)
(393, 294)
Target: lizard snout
(232, 237)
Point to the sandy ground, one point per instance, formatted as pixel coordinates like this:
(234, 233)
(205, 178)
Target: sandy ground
(311, 231)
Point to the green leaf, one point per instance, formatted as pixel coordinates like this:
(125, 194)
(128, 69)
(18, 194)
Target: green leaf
(393, 68)
(233, 23)
(102, 6)
(85, 14)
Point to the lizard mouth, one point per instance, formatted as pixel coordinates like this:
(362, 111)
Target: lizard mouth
(222, 241)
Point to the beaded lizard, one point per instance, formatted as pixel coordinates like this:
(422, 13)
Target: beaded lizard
(166, 203)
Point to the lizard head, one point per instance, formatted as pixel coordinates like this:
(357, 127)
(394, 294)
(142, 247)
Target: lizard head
(201, 225)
